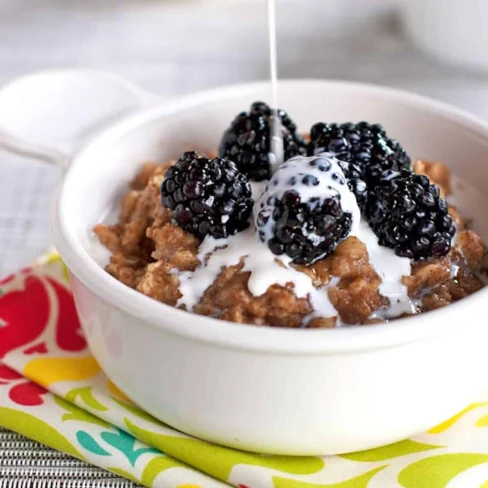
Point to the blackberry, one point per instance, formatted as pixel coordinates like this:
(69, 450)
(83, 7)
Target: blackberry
(207, 196)
(306, 209)
(366, 148)
(405, 212)
(247, 141)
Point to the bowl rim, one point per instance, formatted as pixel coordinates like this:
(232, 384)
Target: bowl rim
(227, 334)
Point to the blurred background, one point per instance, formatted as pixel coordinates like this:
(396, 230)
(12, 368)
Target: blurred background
(172, 47)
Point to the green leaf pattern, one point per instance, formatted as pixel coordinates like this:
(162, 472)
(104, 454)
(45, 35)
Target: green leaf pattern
(360, 481)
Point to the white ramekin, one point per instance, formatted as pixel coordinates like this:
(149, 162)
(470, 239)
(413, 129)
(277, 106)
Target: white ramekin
(257, 388)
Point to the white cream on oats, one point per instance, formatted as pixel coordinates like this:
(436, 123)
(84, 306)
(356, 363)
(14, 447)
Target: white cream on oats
(391, 269)
(267, 269)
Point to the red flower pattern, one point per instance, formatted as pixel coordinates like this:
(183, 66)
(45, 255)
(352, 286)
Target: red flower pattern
(7, 279)
(24, 316)
(8, 374)
(23, 392)
(40, 348)
(68, 330)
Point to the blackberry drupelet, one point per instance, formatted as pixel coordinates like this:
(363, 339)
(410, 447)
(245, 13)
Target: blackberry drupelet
(366, 148)
(306, 209)
(207, 196)
(405, 212)
(247, 141)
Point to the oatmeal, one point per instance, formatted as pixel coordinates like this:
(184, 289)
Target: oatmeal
(353, 233)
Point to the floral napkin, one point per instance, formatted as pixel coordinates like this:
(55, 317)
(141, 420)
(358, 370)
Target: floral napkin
(53, 391)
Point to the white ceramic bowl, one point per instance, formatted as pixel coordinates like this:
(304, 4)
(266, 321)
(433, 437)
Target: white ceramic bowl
(265, 389)
(454, 33)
